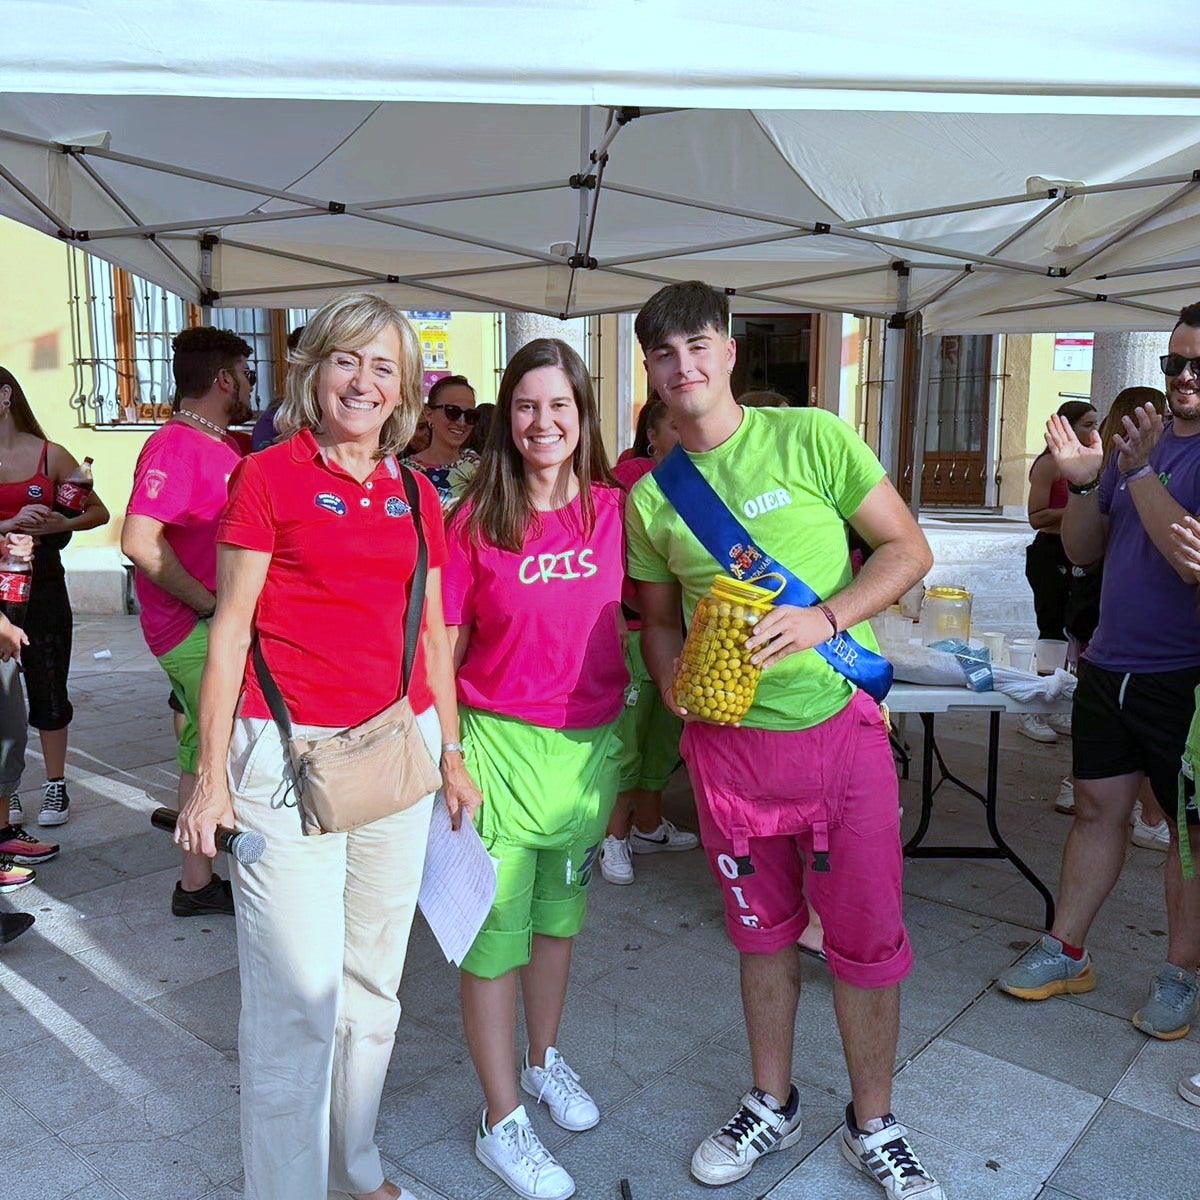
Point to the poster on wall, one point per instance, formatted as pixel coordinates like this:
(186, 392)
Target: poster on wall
(433, 330)
(1073, 351)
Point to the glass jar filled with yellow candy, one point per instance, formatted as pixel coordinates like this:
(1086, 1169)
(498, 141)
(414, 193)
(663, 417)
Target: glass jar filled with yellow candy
(715, 679)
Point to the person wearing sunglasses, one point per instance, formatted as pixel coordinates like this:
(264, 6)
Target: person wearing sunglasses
(1137, 682)
(450, 410)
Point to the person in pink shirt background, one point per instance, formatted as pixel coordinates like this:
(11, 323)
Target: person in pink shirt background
(180, 486)
(532, 593)
(648, 730)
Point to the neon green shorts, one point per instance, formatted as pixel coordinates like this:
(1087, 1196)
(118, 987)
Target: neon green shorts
(184, 665)
(548, 794)
(648, 730)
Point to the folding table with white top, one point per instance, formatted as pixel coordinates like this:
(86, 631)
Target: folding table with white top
(927, 702)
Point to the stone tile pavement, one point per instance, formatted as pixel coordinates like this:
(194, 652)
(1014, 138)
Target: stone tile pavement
(118, 1022)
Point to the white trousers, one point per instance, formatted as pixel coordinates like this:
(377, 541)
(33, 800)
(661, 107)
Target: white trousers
(322, 926)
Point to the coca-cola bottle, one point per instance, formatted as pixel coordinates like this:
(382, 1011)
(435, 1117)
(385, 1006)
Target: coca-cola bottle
(16, 576)
(70, 497)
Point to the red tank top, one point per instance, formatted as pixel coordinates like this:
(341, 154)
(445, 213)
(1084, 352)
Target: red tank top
(37, 489)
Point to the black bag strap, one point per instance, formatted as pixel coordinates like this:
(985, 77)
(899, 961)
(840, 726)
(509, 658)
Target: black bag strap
(412, 618)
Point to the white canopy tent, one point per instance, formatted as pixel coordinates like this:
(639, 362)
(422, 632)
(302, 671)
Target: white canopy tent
(1022, 168)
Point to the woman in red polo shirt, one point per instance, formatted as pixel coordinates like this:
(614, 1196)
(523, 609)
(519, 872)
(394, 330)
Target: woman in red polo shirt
(315, 554)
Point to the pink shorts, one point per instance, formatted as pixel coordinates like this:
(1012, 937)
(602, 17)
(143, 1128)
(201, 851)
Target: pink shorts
(787, 804)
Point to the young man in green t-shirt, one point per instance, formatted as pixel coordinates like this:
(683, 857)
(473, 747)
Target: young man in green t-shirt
(806, 783)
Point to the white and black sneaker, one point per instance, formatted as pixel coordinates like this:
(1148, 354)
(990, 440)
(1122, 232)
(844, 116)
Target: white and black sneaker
(16, 814)
(56, 804)
(883, 1152)
(515, 1152)
(760, 1126)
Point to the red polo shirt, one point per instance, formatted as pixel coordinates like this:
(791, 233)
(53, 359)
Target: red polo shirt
(331, 614)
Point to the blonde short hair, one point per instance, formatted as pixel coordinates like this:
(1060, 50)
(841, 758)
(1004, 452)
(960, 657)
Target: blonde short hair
(349, 323)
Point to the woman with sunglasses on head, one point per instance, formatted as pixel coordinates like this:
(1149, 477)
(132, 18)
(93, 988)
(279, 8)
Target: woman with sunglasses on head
(450, 410)
(532, 590)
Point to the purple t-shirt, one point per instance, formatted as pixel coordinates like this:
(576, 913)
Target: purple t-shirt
(1149, 618)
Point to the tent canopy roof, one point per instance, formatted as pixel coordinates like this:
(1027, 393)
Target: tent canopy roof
(1023, 169)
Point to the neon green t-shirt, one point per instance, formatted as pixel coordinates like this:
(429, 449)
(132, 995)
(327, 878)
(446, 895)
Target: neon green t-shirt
(792, 477)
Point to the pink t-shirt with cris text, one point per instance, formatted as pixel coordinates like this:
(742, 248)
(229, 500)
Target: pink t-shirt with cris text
(182, 480)
(545, 642)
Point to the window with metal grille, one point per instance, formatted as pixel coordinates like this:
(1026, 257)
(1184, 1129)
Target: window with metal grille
(131, 321)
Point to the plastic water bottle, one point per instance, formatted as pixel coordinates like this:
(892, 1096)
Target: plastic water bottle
(16, 576)
(71, 495)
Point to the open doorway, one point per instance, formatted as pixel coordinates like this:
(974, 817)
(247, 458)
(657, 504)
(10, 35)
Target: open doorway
(775, 354)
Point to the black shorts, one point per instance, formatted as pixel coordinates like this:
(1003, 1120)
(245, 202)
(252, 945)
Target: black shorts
(1123, 724)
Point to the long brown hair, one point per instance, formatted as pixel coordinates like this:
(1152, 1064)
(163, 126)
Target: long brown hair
(22, 414)
(500, 510)
(1126, 401)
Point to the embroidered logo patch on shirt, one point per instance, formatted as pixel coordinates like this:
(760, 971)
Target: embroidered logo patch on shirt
(330, 502)
(35, 491)
(395, 507)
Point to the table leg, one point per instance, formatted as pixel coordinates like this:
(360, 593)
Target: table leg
(989, 798)
(990, 806)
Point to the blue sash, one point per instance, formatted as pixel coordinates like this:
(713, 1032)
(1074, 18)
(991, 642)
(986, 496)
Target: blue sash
(725, 538)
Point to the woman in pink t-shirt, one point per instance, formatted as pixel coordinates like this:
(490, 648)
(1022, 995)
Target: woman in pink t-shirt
(532, 590)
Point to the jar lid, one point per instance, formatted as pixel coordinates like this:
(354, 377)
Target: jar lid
(740, 589)
(947, 592)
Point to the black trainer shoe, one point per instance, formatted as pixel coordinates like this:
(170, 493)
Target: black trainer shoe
(56, 804)
(12, 925)
(215, 897)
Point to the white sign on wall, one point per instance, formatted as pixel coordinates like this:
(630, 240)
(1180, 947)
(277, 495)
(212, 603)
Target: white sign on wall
(1073, 351)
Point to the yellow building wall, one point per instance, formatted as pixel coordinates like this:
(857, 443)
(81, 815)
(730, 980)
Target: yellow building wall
(35, 308)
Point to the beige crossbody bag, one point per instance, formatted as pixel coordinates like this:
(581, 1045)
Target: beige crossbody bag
(370, 770)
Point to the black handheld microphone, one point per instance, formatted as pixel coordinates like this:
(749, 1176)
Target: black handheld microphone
(245, 845)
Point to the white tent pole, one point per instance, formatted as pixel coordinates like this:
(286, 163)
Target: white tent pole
(723, 209)
(944, 252)
(1150, 269)
(682, 251)
(496, 304)
(801, 280)
(945, 209)
(1036, 219)
(200, 223)
(102, 183)
(1126, 185)
(924, 348)
(1136, 224)
(1008, 241)
(1188, 285)
(44, 209)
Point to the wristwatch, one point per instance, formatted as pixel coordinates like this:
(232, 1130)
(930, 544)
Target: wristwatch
(1083, 489)
(451, 748)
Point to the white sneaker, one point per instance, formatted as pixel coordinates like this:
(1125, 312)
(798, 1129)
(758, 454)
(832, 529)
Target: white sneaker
(616, 865)
(665, 837)
(16, 814)
(1034, 727)
(757, 1128)
(515, 1152)
(884, 1153)
(558, 1087)
(1064, 802)
(1189, 1088)
(1060, 723)
(1149, 837)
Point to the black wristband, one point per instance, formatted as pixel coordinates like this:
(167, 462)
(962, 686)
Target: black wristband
(1083, 489)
